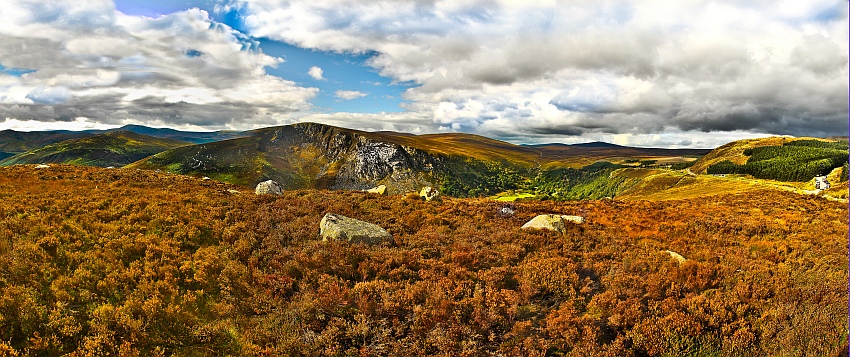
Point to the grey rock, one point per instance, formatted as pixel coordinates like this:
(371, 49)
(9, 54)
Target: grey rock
(339, 227)
(269, 188)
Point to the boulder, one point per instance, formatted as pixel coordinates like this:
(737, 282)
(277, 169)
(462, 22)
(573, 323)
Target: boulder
(678, 257)
(339, 227)
(381, 190)
(552, 222)
(429, 193)
(42, 166)
(269, 188)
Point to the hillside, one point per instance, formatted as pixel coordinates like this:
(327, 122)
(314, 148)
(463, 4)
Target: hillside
(734, 151)
(127, 262)
(577, 155)
(117, 148)
(16, 142)
(309, 155)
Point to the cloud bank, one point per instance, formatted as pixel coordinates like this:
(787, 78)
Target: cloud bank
(525, 70)
(672, 73)
(89, 61)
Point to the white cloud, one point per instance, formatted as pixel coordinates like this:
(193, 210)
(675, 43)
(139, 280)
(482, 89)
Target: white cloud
(180, 69)
(316, 73)
(349, 94)
(523, 70)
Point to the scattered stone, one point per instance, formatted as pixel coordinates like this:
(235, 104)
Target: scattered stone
(574, 219)
(233, 191)
(269, 188)
(339, 227)
(110, 167)
(381, 190)
(506, 211)
(429, 193)
(678, 257)
(42, 166)
(205, 178)
(552, 222)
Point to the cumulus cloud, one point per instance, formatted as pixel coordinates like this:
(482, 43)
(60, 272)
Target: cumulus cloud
(90, 61)
(316, 73)
(521, 70)
(349, 94)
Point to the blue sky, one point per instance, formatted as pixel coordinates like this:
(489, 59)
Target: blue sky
(342, 71)
(689, 73)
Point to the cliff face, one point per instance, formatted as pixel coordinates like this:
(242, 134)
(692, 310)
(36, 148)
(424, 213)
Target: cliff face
(362, 160)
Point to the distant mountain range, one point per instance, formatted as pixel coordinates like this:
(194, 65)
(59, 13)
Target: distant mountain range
(309, 155)
(14, 142)
(114, 148)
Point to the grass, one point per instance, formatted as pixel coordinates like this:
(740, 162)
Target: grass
(510, 197)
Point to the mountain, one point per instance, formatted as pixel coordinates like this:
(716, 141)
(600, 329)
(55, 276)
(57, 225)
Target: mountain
(15, 142)
(115, 148)
(309, 155)
(587, 153)
(195, 137)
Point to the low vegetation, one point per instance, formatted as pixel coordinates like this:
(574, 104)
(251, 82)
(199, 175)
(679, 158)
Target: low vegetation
(137, 263)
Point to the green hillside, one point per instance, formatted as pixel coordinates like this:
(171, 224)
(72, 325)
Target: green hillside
(799, 160)
(116, 148)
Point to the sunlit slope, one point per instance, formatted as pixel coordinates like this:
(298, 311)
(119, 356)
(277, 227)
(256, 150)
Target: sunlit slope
(734, 151)
(116, 148)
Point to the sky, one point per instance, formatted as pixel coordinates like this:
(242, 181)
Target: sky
(678, 74)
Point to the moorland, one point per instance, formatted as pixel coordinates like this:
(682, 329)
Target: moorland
(139, 263)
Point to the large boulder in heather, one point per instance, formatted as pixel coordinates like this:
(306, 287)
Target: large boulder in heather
(552, 222)
(269, 188)
(339, 227)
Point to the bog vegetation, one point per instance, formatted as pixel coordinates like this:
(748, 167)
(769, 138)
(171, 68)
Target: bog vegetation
(134, 263)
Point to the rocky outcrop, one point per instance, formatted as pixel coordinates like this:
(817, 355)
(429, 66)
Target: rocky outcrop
(429, 193)
(381, 190)
(552, 222)
(339, 227)
(268, 187)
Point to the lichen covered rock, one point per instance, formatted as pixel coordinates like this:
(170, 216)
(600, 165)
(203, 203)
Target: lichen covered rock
(339, 227)
(269, 188)
(552, 222)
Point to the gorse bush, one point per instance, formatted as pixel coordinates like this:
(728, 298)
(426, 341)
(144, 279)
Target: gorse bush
(133, 263)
